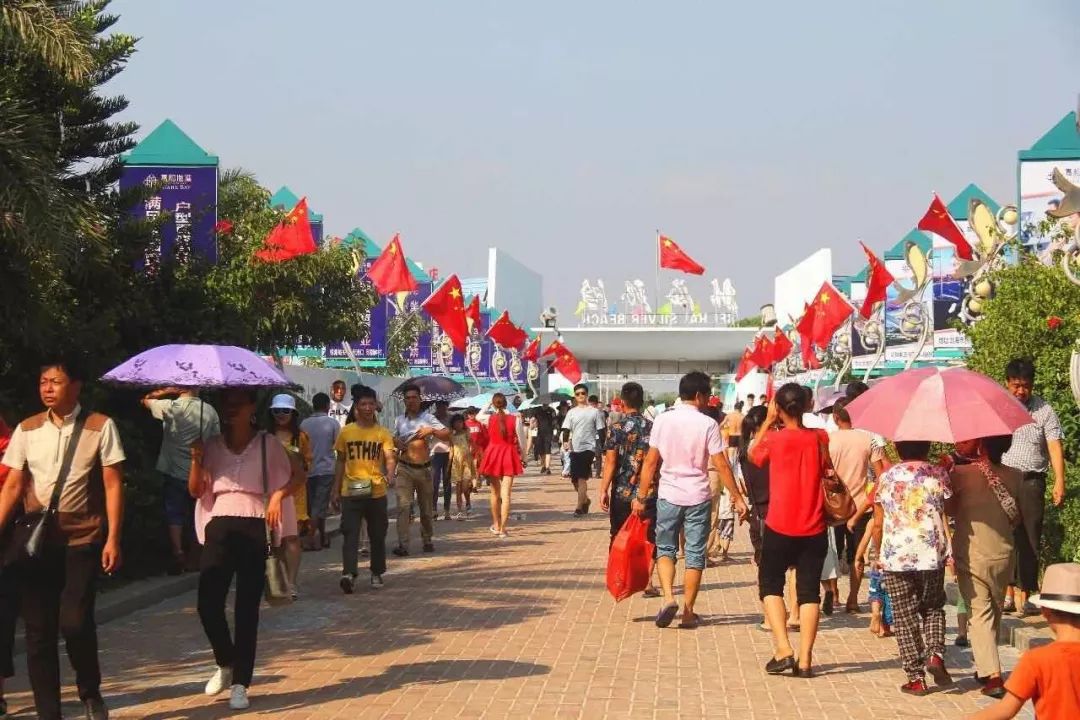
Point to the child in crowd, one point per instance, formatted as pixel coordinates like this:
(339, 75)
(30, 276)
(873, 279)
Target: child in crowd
(881, 615)
(725, 527)
(1049, 675)
(462, 466)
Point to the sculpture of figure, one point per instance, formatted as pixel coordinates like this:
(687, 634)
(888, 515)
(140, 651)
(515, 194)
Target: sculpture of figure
(643, 296)
(680, 297)
(635, 299)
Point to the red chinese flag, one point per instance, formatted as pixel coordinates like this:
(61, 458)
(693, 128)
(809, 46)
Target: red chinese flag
(762, 354)
(745, 365)
(878, 281)
(672, 257)
(472, 313)
(390, 272)
(938, 221)
(782, 346)
(831, 310)
(506, 333)
(564, 363)
(290, 238)
(447, 308)
(532, 352)
(805, 326)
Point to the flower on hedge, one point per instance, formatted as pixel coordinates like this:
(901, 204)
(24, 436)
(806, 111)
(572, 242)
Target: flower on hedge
(223, 227)
(1053, 322)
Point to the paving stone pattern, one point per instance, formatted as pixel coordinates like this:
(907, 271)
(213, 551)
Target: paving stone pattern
(522, 627)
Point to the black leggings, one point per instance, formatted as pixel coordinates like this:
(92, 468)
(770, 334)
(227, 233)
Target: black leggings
(805, 554)
(234, 546)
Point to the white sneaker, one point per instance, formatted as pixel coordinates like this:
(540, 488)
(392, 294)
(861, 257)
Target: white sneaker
(238, 700)
(219, 680)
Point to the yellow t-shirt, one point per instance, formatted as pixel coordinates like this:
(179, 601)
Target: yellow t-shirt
(364, 451)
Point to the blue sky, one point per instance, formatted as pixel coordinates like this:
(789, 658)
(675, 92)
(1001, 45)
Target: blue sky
(567, 132)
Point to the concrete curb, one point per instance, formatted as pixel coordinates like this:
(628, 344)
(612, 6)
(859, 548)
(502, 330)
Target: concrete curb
(1021, 633)
(142, 594)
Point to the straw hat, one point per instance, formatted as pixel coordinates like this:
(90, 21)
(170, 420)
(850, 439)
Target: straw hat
(1060, 589)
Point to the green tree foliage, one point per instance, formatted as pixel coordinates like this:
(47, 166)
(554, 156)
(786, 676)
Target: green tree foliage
(69, 251)
(1017, 324)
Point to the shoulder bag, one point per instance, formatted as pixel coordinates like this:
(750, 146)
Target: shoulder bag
(838, 504)
(29, 533)
(276, 589)
(1007, 502)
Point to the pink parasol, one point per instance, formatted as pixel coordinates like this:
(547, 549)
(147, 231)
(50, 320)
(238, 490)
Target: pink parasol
(947, 405)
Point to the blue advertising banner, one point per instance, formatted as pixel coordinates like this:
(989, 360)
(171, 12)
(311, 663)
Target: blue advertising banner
(419, 354)
(189, 196)
(317, 232)
(373, 345)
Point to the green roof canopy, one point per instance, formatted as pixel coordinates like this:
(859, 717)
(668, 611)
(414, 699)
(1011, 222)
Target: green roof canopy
(167, 144)
(359, 237)
(287, 199)
(958, 208)
(1061, 142)
(372, 249)
(896, 252)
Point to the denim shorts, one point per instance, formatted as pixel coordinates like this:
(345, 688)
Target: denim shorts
(318, 495)
(179, 505)
(671, 519)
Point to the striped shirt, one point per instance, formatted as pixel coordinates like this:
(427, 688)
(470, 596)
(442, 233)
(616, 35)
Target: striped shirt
(1029, 453)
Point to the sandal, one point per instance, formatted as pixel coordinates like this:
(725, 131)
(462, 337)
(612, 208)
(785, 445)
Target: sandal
(651, 592)
(666, 615)
(690, 623)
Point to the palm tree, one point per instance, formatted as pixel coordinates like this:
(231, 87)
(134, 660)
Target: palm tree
(45, 30)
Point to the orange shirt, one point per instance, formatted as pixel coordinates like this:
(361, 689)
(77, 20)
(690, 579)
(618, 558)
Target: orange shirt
(1050, 677)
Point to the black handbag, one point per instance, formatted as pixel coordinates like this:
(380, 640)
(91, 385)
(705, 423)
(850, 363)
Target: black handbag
(30, 532)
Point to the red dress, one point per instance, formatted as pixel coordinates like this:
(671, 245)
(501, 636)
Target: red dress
(501, 457)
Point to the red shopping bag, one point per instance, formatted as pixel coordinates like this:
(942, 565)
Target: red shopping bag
(629, 560)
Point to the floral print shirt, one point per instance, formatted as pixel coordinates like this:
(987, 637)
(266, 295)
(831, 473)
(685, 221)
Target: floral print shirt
(629, 437)
(912, 496)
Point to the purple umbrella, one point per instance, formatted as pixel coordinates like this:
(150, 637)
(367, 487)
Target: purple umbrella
(197, 366)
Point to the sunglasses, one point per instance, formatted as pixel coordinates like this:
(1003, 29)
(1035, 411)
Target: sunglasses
(582, 394)
(280, 411)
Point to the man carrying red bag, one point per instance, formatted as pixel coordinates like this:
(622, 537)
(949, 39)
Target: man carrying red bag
(624, 451)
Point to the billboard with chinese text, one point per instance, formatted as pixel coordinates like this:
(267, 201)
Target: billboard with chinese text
(187, 198)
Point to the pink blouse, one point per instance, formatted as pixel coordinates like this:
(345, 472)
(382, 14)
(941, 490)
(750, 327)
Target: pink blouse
(234, 483)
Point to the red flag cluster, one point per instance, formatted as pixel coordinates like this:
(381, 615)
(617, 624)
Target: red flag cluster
(506, 333)
(564, 363)
(290, 238)
(764, 353)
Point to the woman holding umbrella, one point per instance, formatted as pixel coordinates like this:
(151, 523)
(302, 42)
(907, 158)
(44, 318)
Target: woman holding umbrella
(231, 477)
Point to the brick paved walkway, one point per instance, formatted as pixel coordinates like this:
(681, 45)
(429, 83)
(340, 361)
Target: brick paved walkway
(515, 628)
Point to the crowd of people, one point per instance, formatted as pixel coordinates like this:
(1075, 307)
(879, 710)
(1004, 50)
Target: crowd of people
(244, 485)
(975, 513)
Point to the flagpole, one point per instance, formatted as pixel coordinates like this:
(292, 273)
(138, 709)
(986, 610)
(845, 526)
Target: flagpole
(656, 299)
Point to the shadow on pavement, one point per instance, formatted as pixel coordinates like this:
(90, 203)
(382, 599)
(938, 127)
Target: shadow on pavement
(396, 676)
